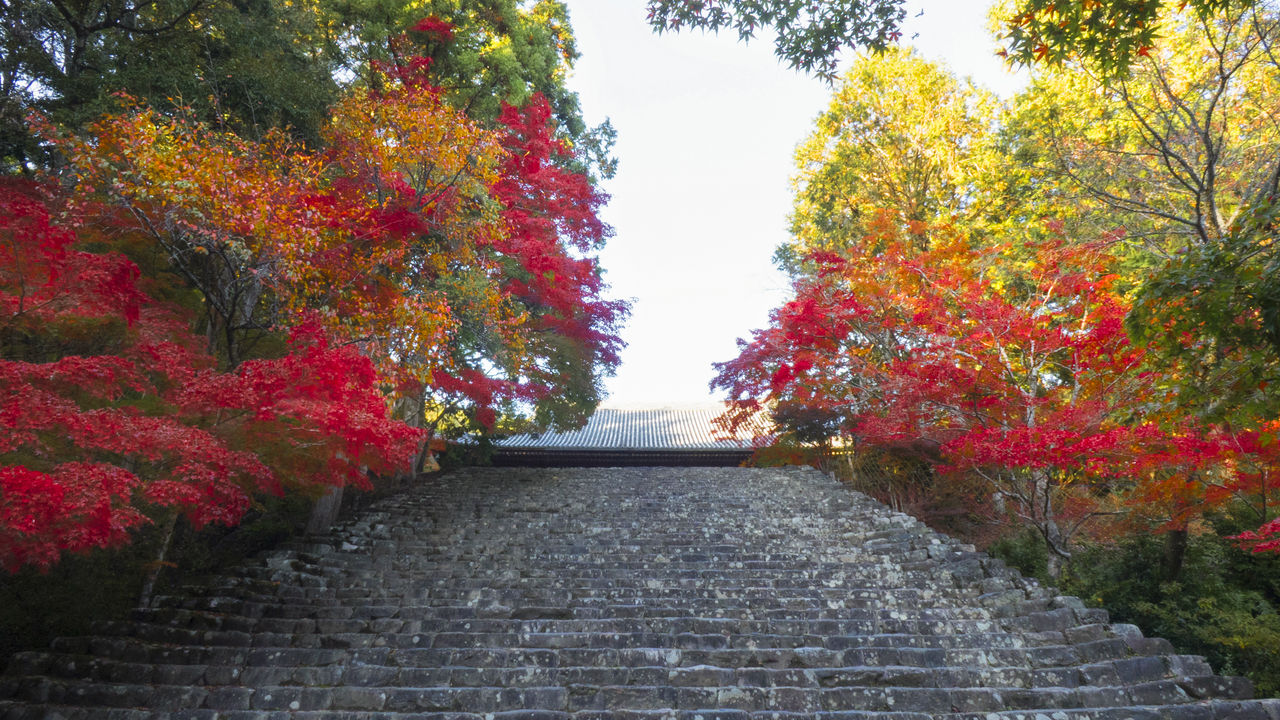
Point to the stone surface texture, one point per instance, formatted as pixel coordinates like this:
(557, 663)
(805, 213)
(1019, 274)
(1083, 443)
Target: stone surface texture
(594, 594)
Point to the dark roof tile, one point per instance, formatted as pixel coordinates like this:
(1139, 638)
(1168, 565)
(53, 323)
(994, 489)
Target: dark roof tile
(661, 429)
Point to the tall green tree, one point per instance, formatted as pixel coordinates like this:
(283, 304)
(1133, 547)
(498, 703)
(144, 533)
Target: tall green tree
(901, 134)
(498, 51)
(249, 66)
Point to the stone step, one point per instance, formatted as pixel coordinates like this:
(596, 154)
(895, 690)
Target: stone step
(1039, 629)
(571, 618)
(1085, 642)
(135, 661)
(659, 555)
(783, 629)
(1217, 710)
(1009, 649)
(491, 666)
(621, 594)
(709, 603)
(762, 598)
(781, 574)
(698, 688)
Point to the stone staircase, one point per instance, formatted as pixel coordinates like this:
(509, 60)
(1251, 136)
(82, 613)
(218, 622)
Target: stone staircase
(685, 593)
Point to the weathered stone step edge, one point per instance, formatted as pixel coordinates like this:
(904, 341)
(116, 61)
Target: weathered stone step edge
(659, 549)
(211, 619)
(826, 549)
(447, 552)
(1038, 630)
(283, 614)
(1006, 603)
(680, 536)
(412, 556)
(1003, 599)
(785, 669)
(978, 662)
(411, 633)
(226, 668)
(1000, 603)
(1039, 656)
(781, 578)
(510, 609)
(1215, 710)
(517, 620)
(996, 599)
(603, 563)
(492, 609)
(685, 530)
(272, 591)
(577, 697)
(500, 606)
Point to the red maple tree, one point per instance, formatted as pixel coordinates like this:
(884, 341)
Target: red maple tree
(112, 410)
(1007, 363)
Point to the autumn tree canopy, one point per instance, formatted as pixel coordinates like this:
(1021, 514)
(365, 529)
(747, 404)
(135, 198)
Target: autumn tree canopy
(899, 133)
(959, 301)
(210, 301)
(113, 409)
(1183, 154)
(815, 37)
(250, 67)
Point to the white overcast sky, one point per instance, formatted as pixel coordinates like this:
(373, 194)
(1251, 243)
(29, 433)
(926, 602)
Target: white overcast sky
(706, 131)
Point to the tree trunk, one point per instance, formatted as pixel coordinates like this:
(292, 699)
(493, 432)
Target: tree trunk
(325, 512)
(1175, 551)
(426, 462)
(162, 559)
(1057, 553)
(1054, 564)
(1055, 543)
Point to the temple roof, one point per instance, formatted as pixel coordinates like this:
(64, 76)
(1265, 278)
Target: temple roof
(656, 429)
(618, 436)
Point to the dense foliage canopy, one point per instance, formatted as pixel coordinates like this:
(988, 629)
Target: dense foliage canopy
(1108, 35)
(280, 246)
(112, 406)
(1065, 301)
(248, 67)
(1052, 326)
